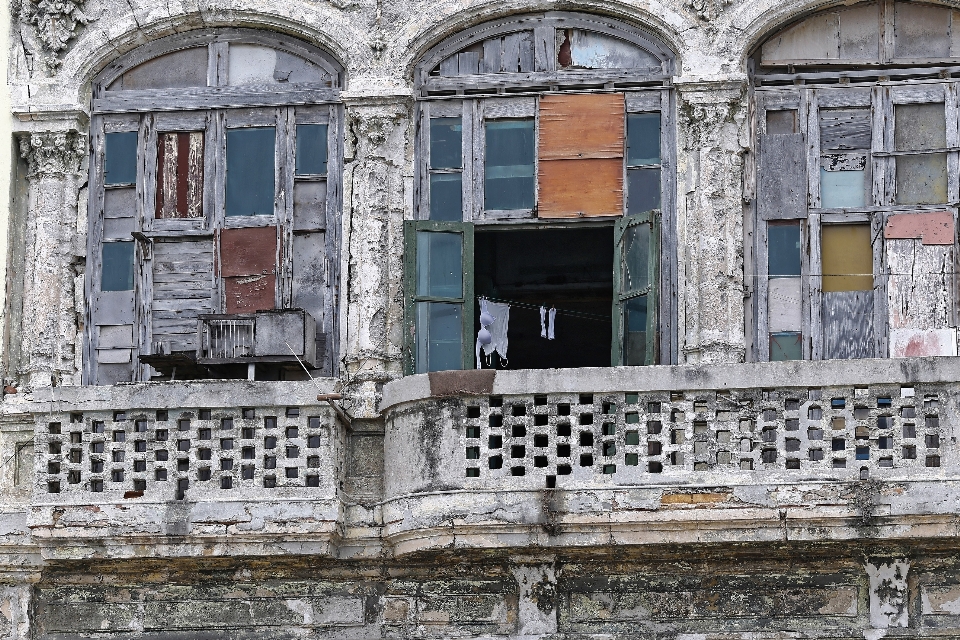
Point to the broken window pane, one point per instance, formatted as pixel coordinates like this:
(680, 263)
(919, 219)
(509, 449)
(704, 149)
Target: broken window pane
(446, 196)
(839, 189)
(635, 270)
(311, 149)
(635, 331)
(919, 126)
(250, 171)
(922, 179)
(439, 264)
(593, 50)
(117, 267)
(509, 165)
(643, 138)
(439, 342)
(120, 158)
(847, 257)
(446, 146)
(783, 241)
(180, 175)
(786, 345)
(782, 122)
(643, 190)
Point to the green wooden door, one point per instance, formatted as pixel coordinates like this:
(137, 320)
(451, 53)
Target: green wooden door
(636, 259)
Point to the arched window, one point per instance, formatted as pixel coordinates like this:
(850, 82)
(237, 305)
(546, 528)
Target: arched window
(857, 183)
(545, 186)
(214, 210)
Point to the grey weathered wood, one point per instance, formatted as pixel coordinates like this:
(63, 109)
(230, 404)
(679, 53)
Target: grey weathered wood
(843, 98)
(115, 336)
(782, 183)
(120, 203)
(845, 129)
(640, 101)
(217, 64)
(669, 260)
(119, 228)
(468, 132)
(313, 114)
(214, 98)
(468, 63)
(920, 291)
(450, 67)
(848, 328)
(815, 278)
(309, 205)
(522, 107)
(121, 122)
(784, 304)
(113, 307)
(113, 356)
(526, 52)
(311, 288)
(490, 62)
(477, 150)
(568, 78)
(921, 31)
(545, 48)
(510, 53)
(91, 277)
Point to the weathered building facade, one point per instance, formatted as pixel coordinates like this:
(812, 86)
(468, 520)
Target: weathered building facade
(265, 259)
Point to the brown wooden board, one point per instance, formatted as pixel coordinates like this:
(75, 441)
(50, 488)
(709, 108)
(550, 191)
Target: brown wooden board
(246, 294)
(581, 126)
(248, 251)
(581, 188)
(180, 175)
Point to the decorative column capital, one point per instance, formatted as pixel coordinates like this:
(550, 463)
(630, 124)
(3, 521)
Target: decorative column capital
(53, 153)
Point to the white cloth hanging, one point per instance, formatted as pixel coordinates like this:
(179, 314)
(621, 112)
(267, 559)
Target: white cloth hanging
(496, 330)
(543, 322)
(553, 317)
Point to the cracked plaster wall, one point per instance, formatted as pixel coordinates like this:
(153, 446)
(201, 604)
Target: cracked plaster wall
(57, 48)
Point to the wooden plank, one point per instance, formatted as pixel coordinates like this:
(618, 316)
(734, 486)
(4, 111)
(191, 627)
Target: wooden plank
(545, 48)
(580, 188)
(848, 325)
(310, 287)
(921, 31)
(490, 62)
(816, 38)
(640, 101)
(811, 106)
(510, 53)
(468, 63)
(784, 305)
(120, 203)
(782, 179)
(450, 66)
(248, 251)
(113, 356)
(860, 32)
(214, 98)
(581, 126)
(115, 336)
(919, 284)
(217, 64)
(519, 107)
(845, 129)
(309, 205)
(113, 307)
(119, 228)
(527, 54)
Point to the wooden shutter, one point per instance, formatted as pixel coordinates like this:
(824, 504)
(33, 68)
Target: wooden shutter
(782, 182)
(248, 266)
(636, 269)
(180, 175)
(581, 155)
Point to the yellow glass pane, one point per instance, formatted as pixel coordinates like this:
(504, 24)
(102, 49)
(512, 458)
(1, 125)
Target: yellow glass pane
(847, 257)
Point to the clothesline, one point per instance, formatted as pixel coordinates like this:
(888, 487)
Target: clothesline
(536, 307)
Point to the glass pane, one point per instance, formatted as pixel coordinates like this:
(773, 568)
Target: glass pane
(439, 264)
(635, 331)
(782, 122)
(787, 345)
(117, 271)
(635, 271)
(446, 146)
(250, 173)
(783, 253)
(311, 149)
(643, 190)
(922, 179)
(919, 126)
(508, 165)
(847, 257)
(842, 188)
(643, 138)
(120, 158)
(446, 197)
(439, 341)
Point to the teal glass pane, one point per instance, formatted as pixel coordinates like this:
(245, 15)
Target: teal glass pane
(635, 331)
(643, 190)
(439, 336)
(446, 143)
(509, 165)
(840, 189)
(311, 149)
(120, 158)
(787, 345)
(439, 264)
(250, 171)
(635, 269)
(643, 138)
(783, 253)
(446, 197)
(117, 271)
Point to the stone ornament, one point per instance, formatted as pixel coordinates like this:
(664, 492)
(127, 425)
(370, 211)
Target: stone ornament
(53, 153)
(55, 22)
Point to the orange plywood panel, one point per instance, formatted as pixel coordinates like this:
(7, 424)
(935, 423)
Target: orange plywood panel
(581, 188)
(581, 126)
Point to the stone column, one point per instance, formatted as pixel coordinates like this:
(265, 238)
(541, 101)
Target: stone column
(711, 128)
(378, 187)
(48, 336)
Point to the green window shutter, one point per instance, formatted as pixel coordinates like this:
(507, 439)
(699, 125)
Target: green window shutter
(635, 285)
(438, 296)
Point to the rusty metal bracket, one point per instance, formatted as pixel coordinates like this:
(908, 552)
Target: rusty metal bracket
(343, 415)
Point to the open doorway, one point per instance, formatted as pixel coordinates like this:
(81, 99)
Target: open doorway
(569, 269)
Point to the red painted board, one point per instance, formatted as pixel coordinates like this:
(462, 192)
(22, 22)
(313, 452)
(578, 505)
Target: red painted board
(932, 227)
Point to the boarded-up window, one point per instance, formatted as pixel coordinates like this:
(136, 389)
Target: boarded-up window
(581, 155)
(845, 139)
(847, 315)
(248, 259)
(180, 175)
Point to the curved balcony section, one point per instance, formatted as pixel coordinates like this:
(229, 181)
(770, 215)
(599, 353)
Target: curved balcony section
(181, 469)
(730, 453)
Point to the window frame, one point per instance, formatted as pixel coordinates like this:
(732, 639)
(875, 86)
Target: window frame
(212, 110)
